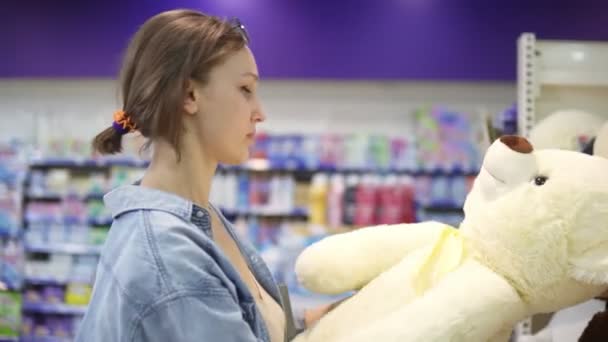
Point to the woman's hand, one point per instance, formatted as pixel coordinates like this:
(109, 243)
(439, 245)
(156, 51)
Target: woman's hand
(312, 316)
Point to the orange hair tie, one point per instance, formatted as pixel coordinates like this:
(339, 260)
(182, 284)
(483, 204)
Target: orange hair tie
(123, 123)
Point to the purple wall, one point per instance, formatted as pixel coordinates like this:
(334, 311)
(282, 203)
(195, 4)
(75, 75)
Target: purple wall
(356, 39)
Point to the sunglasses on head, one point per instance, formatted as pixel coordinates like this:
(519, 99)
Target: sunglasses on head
(239, 27)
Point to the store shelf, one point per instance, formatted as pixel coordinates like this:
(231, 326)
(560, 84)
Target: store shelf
(253, 165)
(443, 207)
(47, 163)
(61, 197)
(100, 221)
(92, 221)
(57, 309)
(44, 339)
(331, 170)
(572, 63)
(296, 213)
(49, 281)
(10, 339)
(63, 249)
(557, 75)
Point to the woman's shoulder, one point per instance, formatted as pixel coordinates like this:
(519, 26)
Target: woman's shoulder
(164, 250)
(184, 253)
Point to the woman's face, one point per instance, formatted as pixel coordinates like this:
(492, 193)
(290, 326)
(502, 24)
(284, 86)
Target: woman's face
(227, 109)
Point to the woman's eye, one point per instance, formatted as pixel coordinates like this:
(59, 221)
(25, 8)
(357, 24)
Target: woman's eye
(246, 90)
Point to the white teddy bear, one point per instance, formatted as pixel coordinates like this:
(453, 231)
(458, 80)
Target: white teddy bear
(534, 239)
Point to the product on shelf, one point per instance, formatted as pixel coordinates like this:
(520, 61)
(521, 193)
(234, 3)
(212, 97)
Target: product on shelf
(394, 198)
(335, 205)
(444, 140)
(53, 294)
(68, 220)
(379, 153)
(49, 327)
(78, 294)
(330, 151)
(53, 267)
(10, 314)
(63, 183)
(447, 140)
(358, 200)
(124, 175)
(10, 212)
(318, 200)
(507, 121)
(350, 200)
(56, 298)
(11, 264)
(365, 197)
(65, 219)
(83, 268)
(256, 193)
(67, 148)
(12, 175)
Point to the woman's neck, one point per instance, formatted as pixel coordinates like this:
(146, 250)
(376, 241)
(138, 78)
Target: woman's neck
(190, 177)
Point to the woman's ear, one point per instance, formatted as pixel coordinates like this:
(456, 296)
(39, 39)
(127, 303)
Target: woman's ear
(193, 94)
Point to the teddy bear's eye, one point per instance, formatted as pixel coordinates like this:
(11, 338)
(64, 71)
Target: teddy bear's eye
(540, 180)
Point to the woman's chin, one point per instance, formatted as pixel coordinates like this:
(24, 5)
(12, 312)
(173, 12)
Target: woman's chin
(236, 159)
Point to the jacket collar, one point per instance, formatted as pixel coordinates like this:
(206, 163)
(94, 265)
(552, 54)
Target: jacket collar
(134, 197)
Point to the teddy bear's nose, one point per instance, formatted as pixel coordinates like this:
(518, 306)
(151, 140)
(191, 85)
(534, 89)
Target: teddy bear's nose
(517, 144)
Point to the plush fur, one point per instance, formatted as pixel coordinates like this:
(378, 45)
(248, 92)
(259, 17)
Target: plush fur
(600, 146)
(597, 145)
(525, 247)
(597, 329)
(561, 129)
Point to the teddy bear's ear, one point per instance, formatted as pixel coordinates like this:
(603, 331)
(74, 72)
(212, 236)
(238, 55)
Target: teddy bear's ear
(561, 129)
(588, 243)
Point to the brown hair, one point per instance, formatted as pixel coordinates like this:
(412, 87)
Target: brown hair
(168, 50)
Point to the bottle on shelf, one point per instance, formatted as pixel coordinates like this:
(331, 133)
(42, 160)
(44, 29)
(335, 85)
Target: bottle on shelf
(390, 204)
(366, 201)
(350, 199)
(407, 199)
(335, 203)
(318, 200)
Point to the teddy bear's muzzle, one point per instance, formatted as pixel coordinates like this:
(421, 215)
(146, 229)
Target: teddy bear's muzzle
(517, 143)
(509, 161)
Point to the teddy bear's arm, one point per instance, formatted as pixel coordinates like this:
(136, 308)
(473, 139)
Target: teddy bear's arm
(348, 261)
(471, 303)
(384, 294)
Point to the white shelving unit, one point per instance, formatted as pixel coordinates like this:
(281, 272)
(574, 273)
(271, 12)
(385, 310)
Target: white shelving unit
(557, 74)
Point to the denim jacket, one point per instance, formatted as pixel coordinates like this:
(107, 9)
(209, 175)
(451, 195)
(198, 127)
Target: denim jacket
(161, 277)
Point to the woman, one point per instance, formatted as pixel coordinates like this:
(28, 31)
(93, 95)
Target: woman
(172, 268)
